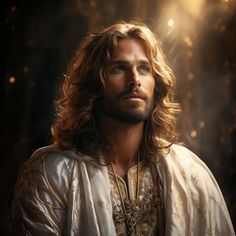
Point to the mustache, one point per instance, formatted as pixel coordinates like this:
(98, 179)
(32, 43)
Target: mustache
(131, 91)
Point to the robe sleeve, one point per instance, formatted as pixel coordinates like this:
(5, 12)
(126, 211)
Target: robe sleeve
(39, 204)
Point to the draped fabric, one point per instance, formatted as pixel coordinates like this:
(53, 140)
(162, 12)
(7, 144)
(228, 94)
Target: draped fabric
(66, 193)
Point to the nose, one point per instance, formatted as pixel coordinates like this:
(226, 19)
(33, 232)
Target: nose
(134, 78)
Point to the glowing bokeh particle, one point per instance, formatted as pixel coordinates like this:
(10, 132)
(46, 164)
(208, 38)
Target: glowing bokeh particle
(171, 22)
(190, 76)
(188, 41)
(193, 134)
(12, 80)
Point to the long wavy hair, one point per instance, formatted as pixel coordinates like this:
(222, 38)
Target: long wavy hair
(75, 125)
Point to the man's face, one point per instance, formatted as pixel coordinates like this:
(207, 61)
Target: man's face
(129, 86)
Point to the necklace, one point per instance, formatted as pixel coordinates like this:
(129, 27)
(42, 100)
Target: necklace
(131, 208)
(138, 211)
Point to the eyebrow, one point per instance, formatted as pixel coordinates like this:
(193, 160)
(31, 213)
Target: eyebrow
(124, 62)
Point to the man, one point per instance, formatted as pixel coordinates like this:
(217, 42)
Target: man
(114, 167)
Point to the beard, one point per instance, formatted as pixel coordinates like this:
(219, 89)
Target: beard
(129, 112)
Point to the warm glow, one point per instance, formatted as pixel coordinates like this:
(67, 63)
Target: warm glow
(190, 76)
(12, 80)
(193, 6)
(193, 134)
(171, 22)
(202, 124)
(188, 41)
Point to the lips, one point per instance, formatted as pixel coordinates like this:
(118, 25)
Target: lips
(134, 96)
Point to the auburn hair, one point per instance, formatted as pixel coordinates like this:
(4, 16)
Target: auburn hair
(75, 124)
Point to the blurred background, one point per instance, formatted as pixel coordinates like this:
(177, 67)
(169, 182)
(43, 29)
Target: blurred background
(40, 37)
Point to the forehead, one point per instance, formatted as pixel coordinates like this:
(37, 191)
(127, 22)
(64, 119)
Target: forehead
(129, 49)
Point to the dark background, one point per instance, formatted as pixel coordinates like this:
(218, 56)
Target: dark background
(39, 38)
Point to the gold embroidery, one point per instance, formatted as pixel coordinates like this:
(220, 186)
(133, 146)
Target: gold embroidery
(34, 184)
(141, 214)
(138, 212)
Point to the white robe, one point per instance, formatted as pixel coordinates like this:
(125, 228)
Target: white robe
(63, 193)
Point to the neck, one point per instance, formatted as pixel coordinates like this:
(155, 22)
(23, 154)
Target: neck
(125, 139)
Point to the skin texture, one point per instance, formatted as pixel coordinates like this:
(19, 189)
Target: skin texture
(128, 95)
(127, 101)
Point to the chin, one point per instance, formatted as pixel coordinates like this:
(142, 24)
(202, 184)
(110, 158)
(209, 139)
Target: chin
(131, 117)
(130, 113)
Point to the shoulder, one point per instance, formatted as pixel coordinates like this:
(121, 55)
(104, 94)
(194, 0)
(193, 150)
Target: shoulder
(49, 160)
(49, 153)
(53, 162)
(52, 155)
(182, 157)
(52, 158)
(184, 167)
(48, 168)
(178, 155)
(52, 167)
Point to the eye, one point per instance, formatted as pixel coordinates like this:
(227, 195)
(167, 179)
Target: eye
(145, 69)
(119, 69)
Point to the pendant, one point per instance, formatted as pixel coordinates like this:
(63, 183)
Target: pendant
(138, 212)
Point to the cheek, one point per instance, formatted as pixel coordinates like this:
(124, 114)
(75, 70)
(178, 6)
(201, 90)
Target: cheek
(113, 85)
(150, 86)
